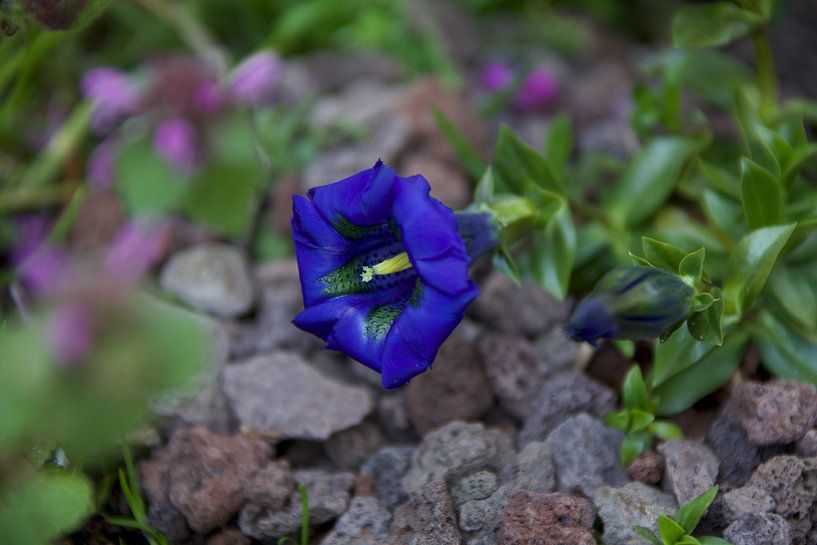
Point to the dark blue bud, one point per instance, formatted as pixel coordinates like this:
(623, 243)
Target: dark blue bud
(631, 303)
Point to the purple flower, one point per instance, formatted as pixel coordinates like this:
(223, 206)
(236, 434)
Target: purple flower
(175, 140)
(69, 332)
(495, 76)
(253, 81)
(39, 264)
(137, 247)
(101, 167)
(209, 97)
(113, 95)
(539, 90)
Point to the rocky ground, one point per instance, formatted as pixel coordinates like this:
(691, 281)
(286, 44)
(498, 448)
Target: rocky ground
(502, 442)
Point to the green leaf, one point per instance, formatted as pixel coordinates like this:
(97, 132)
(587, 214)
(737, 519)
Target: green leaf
(761, 195)
(45, 505)
(663, 255)
(750, 265)
(664, 430)
(712, 540)
(785, 353)
(147, 184)
(799, 156)
(691, 268)
(690, 514)
(505, 263)
(559, 144)
(702, 301)
(517, 165)
(647, 534)
(720, 179)
(634, 391)
(468, 156)
(484, 191)
(694, 370)
(553, 252)
(625, 348)
(223, 196)
(640, 419)
(632, 446)
(669, 530)
(619, 420)
(794, 294)
(712, 24)
(688, 540)
(705, 324)
(649, 179)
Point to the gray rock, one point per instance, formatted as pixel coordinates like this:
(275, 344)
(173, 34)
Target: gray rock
(484, 517)
(271, 486)
(633, 504)
(554, 352)
(534, 311)
(691, 468)
(744, 501)
(759, 529)
(511, 370)
(361, 104)
(781, 411)
(166, 519)
(335, 70)
(427, 518)
(296, 83)
(210, 277)
(392, 415)
(350, 447)
(278, 394)
(454, 389)
(585, 454)
(533, 469)
(387, 467)
(807, 446)
(228, 536)
(455, 450)
(476, 486)
(271, 327)
(561, 396)
(365, 523)
(328, 499)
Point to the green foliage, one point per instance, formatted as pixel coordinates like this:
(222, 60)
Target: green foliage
(678, 530)
(712, 24)
(304, 521)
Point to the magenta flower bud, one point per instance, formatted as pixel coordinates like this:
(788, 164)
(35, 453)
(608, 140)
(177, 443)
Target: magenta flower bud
(69, 332)
(539, 90)
(209, 97)
(113, 95)
(137, 247)
(101, 167)
(495, 76)
(175, 140)
(254, 80)
(42, 270)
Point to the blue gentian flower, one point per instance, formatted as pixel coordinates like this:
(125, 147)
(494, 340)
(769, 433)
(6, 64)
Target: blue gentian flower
(383, 268)
(631, 303)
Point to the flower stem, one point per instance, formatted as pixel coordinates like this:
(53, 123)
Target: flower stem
(766, 74)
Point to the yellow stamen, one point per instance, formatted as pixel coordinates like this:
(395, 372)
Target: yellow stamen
(398, 263)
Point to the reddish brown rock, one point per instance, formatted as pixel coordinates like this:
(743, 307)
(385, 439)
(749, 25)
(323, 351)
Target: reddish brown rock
(229, 536)
(547, 519)
(647, 468)
(781, 411)
(455, 388)
(203, 475)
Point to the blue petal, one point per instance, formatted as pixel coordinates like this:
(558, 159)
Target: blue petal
(321, 318)
(418, 333)
(363, 199)
(318, 249)
(348, 335)
(430, 236)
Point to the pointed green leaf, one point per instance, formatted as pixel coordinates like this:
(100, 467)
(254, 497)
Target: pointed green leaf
(785, 353)
(702, 301)
(712, 24)
(690, 514)
(750, 265)
(720, 179)
(632, 446)
(506, 265)
(669, 530)
(712, 540)
(619, 420)
(688, 540)
(517, 165)
(761, 195)
(640, 419)
(638, 260)
(553, 252)
(634, 391)
(468, 156)
(691, 267)
(647, 534)
(651, 176)
(484, 191)
(559, 144)
(705, 324)
(664, 430)
(625, 348)
(794, 294)
(662, 254)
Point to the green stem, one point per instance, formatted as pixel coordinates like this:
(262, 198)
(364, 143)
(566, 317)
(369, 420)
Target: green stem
(26, 199)
(766, 74)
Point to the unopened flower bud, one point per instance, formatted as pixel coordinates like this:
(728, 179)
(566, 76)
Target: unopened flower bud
(539, 90)
(253, 81)
(176, 141)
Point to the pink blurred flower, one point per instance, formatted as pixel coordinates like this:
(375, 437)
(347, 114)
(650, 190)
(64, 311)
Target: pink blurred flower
(539, 90)
(495, 76)
(113, 95)
(177, 142)
(39, 264)
(69, 332)
(209, 98)
(253, 81)
(101, 166)
(137, 247)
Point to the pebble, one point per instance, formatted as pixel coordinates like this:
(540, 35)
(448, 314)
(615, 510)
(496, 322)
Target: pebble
(476, 486)
(791, 482)
(280, 395)
(511, 370)
(210, 277)
(427, 518)
(271, 486)
(647, 468)
(691, 468)
(781, 411)
(555, 352)
(533, 468)
(350, 447)
(365, 523)
(744, 501)
(386, 467)
(634, 504)
(547, 519)
(807, 446)
(229, 536)
(759, 529)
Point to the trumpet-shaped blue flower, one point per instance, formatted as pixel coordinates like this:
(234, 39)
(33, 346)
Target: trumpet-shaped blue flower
(631, 303)
(383, 268)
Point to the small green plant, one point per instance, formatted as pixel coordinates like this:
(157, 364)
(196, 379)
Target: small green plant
(129, 483)
(637, 418)
(678, 530)
(304, 520)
